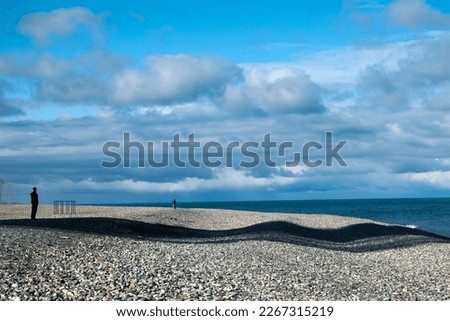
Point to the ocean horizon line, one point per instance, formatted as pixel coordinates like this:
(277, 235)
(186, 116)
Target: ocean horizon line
(168, 202)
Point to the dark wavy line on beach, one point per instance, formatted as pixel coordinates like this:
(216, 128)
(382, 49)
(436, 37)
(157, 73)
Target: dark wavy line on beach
(364, 237)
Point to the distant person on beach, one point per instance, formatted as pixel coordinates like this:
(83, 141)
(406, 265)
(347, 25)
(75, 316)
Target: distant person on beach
(34, 203)
(174, 204)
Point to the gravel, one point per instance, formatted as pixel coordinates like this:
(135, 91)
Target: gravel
(107, 253)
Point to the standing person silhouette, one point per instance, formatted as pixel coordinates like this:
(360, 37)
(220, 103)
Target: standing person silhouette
(34, 203)
(174, 204)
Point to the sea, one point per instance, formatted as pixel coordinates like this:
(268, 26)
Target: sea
(427, 214)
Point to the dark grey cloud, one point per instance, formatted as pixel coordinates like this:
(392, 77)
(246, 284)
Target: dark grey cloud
(6, 110)
(7, 106)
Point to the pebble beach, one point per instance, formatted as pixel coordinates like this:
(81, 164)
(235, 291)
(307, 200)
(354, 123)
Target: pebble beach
(137, 253)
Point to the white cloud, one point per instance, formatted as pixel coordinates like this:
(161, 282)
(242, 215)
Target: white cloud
(388, 98)
(136, 16)
(174, 78)
(235, 99)
(102, 78)
(344, 65)
(83, 79)
(60, 22)
(223, 179)
(418, 79)
(274, 90)
(435, 178)
(415, 13)
(283, 90)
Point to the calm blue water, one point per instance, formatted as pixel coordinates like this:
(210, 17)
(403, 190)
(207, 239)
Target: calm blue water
(428, 214)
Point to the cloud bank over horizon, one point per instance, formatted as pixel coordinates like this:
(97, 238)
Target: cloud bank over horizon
(74, 78)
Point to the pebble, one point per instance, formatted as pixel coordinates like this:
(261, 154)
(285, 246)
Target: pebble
(50, 264)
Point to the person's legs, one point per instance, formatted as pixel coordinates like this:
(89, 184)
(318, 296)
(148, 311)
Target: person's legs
(33, 211)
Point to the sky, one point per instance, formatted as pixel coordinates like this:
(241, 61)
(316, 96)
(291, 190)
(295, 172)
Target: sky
(78, 77)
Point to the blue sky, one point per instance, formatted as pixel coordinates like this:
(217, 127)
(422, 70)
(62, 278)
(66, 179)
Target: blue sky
(77, 74)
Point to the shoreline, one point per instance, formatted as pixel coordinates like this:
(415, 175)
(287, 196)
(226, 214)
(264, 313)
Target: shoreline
(130, 253)
(426, 214)
(145, 214)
